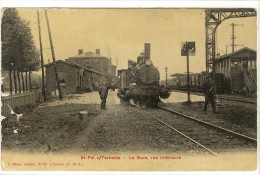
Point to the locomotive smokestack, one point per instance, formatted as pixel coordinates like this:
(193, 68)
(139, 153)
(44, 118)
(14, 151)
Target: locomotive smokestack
(147, 50)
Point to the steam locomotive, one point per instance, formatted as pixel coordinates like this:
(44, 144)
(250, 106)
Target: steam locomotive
(139, 84)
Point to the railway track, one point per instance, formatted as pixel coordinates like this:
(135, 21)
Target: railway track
(213, 139)
(211, 125)
(226, 97)
(238, 100)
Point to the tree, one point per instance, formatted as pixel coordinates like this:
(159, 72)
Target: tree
(10, 34)
(30, 59)
(10, 44)
(19, 53)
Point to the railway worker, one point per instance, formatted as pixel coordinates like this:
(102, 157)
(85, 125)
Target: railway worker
(103, 91)
(107, 86)
(209, 94)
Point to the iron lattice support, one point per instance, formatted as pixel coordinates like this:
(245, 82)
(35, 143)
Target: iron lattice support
(213, 19)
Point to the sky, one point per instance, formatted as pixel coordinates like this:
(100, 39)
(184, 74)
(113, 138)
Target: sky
(124, 32)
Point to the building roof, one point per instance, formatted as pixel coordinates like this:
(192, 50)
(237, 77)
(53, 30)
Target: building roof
(182, 74)
(76, 65)
(177, 74)
(88, 55)
(234, 53)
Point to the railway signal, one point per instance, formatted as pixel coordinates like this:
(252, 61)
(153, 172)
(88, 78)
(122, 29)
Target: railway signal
(188, 49)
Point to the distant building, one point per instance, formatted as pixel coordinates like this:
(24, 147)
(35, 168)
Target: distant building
(95, 61)
(72, 77)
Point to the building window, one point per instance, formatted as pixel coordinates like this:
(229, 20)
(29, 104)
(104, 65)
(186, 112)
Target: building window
(253, 64)
(62, 82)
(62, 78)
(226, 64)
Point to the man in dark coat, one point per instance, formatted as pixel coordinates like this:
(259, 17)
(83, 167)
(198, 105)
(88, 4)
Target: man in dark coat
(103, 95)
(209, 94)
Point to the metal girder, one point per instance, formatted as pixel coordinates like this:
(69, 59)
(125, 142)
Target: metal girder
(213, 19)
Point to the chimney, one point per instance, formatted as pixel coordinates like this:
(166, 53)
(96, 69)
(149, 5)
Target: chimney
(98, 51)
(147, 50)
(80, 51)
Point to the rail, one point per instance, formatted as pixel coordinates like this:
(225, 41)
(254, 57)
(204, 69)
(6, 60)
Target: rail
(184, 135)
(211, 125)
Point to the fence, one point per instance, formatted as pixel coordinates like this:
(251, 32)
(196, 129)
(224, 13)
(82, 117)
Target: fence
(18, 100)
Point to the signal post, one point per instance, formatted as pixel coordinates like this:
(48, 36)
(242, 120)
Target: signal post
(188, 49)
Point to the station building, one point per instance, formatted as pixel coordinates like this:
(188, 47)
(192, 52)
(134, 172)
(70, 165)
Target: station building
(95, 61)
(243, 58)
(239, 69)
(72, 77)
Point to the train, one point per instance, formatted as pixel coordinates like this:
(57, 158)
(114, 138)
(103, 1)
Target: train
(224, 85)
(197, 81)
(139, 84)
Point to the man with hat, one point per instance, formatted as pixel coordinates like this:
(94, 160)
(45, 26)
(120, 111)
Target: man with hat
(103, 91)
(208, 89)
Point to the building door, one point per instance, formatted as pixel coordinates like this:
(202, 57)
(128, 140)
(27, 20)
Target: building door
(245, 65)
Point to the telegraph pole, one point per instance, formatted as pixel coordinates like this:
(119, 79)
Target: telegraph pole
(40, 39)
(233, 37)
(53, 56)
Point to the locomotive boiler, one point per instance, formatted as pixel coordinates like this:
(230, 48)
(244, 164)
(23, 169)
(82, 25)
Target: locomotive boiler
(139, 84)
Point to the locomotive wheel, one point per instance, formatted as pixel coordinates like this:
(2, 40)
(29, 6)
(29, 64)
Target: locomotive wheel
(153, 103)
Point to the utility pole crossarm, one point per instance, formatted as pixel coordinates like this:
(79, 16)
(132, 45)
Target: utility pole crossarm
(233, 37)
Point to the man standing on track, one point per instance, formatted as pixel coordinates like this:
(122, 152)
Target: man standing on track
(103, 91)
(209, 94)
